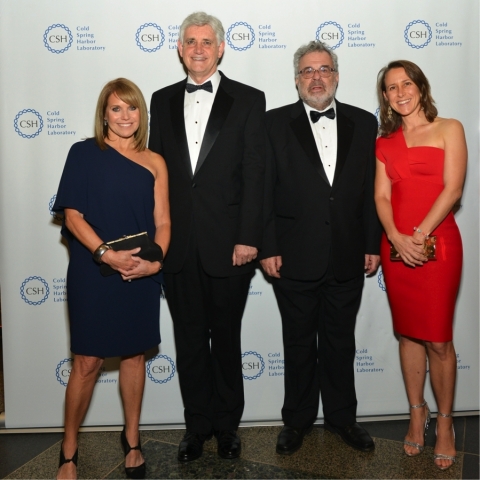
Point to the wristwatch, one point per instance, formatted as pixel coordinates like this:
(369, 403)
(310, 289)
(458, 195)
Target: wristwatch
(98, 253)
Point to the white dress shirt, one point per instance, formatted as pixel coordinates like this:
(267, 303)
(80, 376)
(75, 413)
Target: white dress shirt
(197, 107)
(325, 134)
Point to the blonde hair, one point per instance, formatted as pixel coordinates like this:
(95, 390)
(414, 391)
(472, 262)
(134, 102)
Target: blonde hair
(129, 93)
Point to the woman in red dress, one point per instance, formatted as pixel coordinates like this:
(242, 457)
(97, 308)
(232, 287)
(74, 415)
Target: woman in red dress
(421, 164)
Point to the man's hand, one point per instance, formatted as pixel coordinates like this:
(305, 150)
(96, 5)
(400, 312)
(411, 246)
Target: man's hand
(371, 263)
(243, 254)
(272, 266)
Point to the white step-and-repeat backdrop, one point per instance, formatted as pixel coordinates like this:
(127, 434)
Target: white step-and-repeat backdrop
(56, 56)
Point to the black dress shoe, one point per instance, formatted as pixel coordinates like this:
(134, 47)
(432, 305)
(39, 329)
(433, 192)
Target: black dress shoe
(191, 446)
(290, 439)
(132, 472)
(229, 444)
(353, 435)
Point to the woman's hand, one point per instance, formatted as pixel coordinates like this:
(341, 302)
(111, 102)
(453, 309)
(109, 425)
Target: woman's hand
(128, 265)
(410, 248)
(123, 260)
(143, 268)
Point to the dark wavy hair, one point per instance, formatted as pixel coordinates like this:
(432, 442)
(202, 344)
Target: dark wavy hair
(413, 71)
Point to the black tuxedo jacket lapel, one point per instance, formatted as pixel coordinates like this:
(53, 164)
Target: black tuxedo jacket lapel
(303, 131)
(220, 108)
(178, 124)
(345, 128)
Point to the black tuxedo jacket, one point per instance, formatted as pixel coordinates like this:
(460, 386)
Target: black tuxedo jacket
(222, 201)
(307, 220)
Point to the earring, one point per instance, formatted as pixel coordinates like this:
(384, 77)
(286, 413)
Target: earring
(105, 123)
(389, 112)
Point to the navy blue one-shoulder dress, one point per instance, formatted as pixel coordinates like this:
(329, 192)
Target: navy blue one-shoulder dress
(108, 316)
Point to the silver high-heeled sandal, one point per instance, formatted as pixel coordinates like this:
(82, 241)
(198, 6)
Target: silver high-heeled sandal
(419, 447)
(442, 456)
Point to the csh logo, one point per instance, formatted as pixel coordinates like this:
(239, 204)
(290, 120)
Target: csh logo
(377, 114)
(252, 365)
(150, 37)
(62, 372)
(57, 38)
(381, 280)
(50, 206)
(240, 36)
(331, 33)
(417, 34)
(160, 369)
(34, 290)
(28, 123)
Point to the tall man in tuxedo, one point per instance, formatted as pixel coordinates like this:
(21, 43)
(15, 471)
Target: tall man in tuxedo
(322, 236)
(210, 130)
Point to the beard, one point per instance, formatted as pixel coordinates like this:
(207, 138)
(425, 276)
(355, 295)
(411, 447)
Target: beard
(319, 100)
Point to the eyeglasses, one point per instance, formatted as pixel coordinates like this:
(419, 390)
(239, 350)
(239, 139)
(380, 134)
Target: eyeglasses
(323, 71)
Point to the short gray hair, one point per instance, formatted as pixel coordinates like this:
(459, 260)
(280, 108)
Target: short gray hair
(200, 19)
(314, 46)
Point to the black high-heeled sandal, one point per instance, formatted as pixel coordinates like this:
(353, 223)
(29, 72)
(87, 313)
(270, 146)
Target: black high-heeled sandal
(132, 472)
(64, 460)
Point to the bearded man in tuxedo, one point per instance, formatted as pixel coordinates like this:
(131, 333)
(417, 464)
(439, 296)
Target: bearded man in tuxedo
(322, 236)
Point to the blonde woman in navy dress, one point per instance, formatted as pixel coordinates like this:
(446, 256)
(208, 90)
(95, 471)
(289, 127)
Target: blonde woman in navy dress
(111, 186)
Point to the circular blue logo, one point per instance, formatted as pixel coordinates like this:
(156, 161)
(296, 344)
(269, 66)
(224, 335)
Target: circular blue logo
(380, 280)
(28, 123)
(57, 38)
(62, 372)
(417, 34)
(150, 37)
(252, 365)
(34, 290)
(160, 369)
(331, 33)
(240, 36)
(55, 215)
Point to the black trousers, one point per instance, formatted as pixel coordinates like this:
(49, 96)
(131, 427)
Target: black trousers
(318, 319)
(207, 313)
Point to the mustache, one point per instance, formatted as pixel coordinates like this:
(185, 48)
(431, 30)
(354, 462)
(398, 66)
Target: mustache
(317, 83)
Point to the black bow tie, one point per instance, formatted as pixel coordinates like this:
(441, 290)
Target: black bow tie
(190, 87)
(315, 116)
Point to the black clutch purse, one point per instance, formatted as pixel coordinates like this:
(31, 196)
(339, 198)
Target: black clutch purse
(149, 250)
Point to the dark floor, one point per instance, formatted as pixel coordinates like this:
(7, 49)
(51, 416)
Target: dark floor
(322, 455)
(35, 455)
